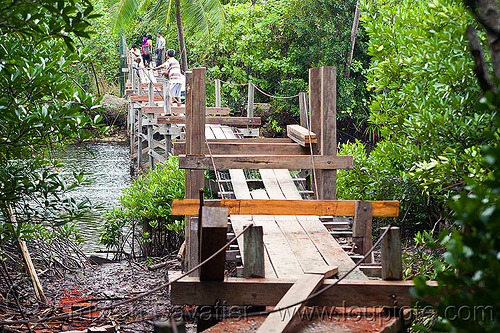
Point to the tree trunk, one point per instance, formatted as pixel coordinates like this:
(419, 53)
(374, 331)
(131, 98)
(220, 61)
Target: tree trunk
(180, 37)
(355, 23)
(488, 12)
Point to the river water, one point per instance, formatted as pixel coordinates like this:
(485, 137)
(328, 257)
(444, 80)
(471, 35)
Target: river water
(107, 166)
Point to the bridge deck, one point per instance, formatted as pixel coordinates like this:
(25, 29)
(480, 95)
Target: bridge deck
(293, 244)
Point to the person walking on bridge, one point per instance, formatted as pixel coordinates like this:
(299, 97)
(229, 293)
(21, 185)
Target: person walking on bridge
(173, 70)
(160, 47)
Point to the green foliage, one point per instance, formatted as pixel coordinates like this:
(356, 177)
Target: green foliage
(41, 109)
(378, 174)
(421, 73)
(273, 44)
(149, 199)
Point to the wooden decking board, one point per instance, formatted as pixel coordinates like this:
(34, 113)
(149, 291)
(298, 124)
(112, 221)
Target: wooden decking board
(278, 322)
(328, 247)
(281, 255)
(303, 248)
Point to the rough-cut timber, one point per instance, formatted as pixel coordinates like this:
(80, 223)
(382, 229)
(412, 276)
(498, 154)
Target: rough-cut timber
(278, 322)
(226, 162)
(144, 98)
(268, 292)
(246, 148)
(286, 207)
(182, 110)
(230, 121)
(301, 135)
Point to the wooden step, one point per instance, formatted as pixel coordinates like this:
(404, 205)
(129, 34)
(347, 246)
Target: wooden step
(342, 233)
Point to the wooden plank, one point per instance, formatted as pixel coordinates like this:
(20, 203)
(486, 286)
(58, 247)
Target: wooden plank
(35, 281)
(217, 120)
(144, 98)
(303, 248)
(287, 207)
(254, 253)
(225, 162)
(322, 106)
(250, 140)
(213, 237)
(195, 137)
(391, 255)
(145, 84)
(208, 110)
(247, 148)
(301, 135)
(278, 322)
(281, 256)
(329, 248)
(265, 292)
(362, 228)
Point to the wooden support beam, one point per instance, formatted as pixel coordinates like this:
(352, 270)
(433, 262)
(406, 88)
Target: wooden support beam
(182, 110)
(322, 105)
(215, 120)
(301, 135)
(286, 207)
(278, 322)
(392, 267)
(362, 228)
(243, 148)
(144, 98)
(145, 84)
(195, 141)
(213, 237)
(226, 162)
(251, 92)
(217, 93)
(266, 292)
(23, 248)
(304, 115)
(254, 252)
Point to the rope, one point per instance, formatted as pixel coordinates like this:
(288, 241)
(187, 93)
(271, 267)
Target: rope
(90, 309)
(147, 75)
(271, 96)
(315, 179)
(321, 291)
(235, 84)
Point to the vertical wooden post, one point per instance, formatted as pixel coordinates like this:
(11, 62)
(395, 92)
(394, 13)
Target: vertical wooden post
(195, 141)
(217, 93)
(133, 76)
(304, 122)
(150, 116)
(322, 105)
(131, 126)
(139, 138)
(167, 109)
(139, 83)
(253, 252)
(392, 266)
(362, 228)
(250, 99)
(213, 237)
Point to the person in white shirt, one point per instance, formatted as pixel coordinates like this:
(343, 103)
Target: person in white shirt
(135, 53)
(173, 70)
(160, 47)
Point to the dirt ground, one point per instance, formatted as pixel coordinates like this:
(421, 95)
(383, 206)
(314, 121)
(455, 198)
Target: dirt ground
(99, 286)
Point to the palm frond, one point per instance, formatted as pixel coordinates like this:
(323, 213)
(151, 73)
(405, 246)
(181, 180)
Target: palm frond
(203, 15)
(121, 12)
(163, 11)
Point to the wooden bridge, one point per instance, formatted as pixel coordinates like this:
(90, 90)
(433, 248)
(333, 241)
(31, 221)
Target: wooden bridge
(288, 252)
